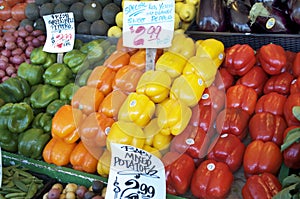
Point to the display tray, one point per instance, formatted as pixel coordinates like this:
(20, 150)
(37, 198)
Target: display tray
(61, 174)
(289, 42)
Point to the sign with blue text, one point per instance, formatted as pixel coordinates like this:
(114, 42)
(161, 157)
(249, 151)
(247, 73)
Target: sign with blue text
(148, 24)
(60, 32)
(135, 173)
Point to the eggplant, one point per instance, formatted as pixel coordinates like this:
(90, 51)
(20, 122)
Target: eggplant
(294, 10)
(211, 16)
(266, 18)
(238, 12)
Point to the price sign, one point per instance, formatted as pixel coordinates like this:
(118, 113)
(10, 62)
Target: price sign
(135, 173)
(148, 24)
(60, 32)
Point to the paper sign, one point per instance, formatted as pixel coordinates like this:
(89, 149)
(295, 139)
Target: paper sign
(60, 32)
(135, 173)
(148, 24)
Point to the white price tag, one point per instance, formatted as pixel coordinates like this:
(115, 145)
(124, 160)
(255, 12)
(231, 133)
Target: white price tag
(60, 32)
(148, 24)
(135, 173)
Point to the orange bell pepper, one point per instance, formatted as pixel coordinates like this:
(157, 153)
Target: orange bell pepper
(138, 59)
(117, 60)
(93, 131)
(111, 104)
(121, 47)
(127, 78)
(102, 78)
(87, 99)
(58, 152)
(65, 123)
(82, 160)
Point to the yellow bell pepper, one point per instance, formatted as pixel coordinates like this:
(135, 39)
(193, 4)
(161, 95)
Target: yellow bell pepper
(152, 150)
(183, 45)
(188, 88)
(211, 48)
(103, 165)
(187, 12)
(137, 108)
(172, 116)
(172, 63)
(155, 84)
(125, 133)
(203, 67)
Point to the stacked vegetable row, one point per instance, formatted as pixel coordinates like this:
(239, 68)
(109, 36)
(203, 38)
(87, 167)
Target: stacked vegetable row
(30, 99)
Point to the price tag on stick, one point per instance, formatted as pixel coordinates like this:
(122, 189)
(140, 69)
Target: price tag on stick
(135, 173)
(60, 33)
(148, 24)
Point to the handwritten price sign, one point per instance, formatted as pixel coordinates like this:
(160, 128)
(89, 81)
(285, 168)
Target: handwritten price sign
(135, 173)
(148, 24)
(60, 32)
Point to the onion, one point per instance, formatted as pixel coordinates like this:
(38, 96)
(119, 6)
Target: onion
(6, 52)
(10, 70)
(17, 59)
(4, 78)
(17, 51)
(2, 73)
(3, 65)
(28, 51)
(10, 45)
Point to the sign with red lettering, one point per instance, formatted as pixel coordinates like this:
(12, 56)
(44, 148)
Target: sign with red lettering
(60, 32)
(148, 24)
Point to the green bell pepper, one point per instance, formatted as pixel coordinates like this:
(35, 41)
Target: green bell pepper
(43, 121)
(58, 74)
(67, 92)
(32, 73)
(43, 95)
(76, 60)
(14, 89)
(87, 47)
(8, 140)
(51, 59)
(82, 78)
(53, 107)
(38, 56)
(78, 44)
(32, 142)
(16, 117)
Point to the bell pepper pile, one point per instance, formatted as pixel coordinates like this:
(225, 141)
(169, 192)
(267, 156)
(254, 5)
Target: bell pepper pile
(30, 100)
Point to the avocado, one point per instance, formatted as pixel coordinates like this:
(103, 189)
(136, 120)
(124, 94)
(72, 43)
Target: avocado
(109, 13)
(25, 22)
(39, 24)
(77, 9)
(83, 28)
(41, 2)
(104, 2)
(92, 11)
(118, 2)
(56, 1)
(99, 27)
(32, 11)
(69, 2)
(47, 9)
(60, 8)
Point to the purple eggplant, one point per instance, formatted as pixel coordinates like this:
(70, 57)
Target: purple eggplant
(238, 12)
(266, 18)
(211, 16)
(294, 10)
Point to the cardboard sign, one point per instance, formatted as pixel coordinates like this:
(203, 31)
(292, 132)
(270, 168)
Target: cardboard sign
(135, 173)
(60, 32)
(148, 24)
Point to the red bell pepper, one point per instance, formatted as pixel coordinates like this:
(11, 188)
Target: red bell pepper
(193, 141)
(203, 116)
(223, 79)
(265, 185)
(296, 65)
(266, 126)
(212, 96)
(260, 157)
(179, 169)
(295, 85)
(272, 58)
(228, 149)
(233, 121)
(290, 57)
(272, 102)
(239, 59)
(291, 155)
(291, 101)
(279, 83)
(212, 180)
(240, 96)
(255, 78)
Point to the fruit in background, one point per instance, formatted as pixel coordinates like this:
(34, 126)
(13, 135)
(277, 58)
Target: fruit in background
(92, 11)
(119, 19)
(47, 9)
(187, 12)
(178, 6)
(177, 21)
(32, 11)
(109, 13)
(99, 27)
(60, 8)
(77, 9)
(83, 27)
(114, 31)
